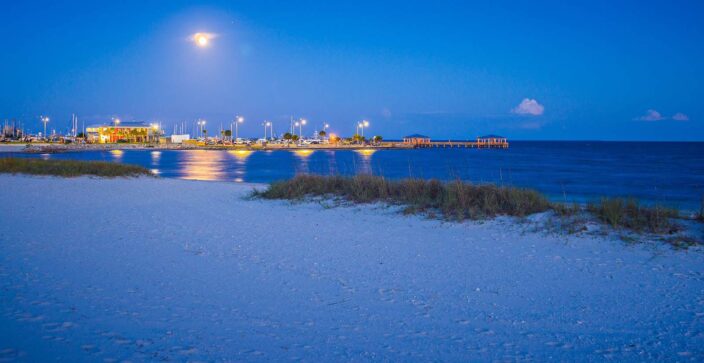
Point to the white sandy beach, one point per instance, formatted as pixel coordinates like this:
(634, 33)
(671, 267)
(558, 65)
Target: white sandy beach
(159, 269)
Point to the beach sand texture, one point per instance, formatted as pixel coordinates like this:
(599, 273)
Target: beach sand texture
(163, 269)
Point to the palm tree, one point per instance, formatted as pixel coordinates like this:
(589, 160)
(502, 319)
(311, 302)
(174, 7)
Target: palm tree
(377, 139)
(288, 136)
(322, 133)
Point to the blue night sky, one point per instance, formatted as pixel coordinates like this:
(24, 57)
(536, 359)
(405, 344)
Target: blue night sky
(609, 70)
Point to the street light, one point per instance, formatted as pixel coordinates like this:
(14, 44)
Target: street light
(45, 120)
(237, 122)
(325, 128)
(268, 124)
(201, 123)
(362, 125)
(155, 132)
(300, 127)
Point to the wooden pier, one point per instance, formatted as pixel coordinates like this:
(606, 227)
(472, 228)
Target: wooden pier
(482, 142)
(463, 144)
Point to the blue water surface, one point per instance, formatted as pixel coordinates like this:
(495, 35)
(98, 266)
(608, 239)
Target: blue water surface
(656, 172)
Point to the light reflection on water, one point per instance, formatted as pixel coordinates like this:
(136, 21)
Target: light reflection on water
(670, 173)
(117, 154)
(240, 163)
(203, 165)
(365, 166)
(302, 165)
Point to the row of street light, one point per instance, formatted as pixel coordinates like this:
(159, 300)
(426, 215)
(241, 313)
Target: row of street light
(268, 126)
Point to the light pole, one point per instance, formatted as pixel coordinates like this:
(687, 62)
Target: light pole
(115, 124)
(266, 125)
(362, 125)
(238, 121)
(201, 123)
(45, 120)
(155, 132)
(325, 130)
(300, 127)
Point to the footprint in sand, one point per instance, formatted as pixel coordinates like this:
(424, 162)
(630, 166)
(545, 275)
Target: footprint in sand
(90, 348)
(10, 355)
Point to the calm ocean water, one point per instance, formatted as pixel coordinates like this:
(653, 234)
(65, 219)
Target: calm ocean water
(671, 173)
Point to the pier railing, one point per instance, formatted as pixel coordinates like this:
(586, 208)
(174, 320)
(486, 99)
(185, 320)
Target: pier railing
(464, 144)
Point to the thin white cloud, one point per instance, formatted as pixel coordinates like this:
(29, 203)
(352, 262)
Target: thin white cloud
(680, 117)
(529, 107)
(651, 115)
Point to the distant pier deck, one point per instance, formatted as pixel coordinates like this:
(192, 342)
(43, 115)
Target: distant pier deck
(464, 144)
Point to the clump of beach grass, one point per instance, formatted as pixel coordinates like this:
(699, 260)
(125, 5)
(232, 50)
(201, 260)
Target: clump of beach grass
(70, 168)
(455, 200)
(630, 214)
(460, 201)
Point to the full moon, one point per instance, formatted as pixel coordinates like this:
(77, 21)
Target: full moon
(202, 39)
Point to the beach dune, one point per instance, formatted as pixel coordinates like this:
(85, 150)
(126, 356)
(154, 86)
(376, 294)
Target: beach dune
(164, 269)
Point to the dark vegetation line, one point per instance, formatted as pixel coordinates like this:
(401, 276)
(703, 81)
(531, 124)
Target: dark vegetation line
(460, 201)
(69, 168)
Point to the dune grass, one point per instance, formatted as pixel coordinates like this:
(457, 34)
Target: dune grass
(460, 201)
(630, 214)
(455, 200)
(69, 168)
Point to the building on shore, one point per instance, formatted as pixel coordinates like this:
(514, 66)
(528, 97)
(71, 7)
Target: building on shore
(492, 141)
(179, 138)
(134, 132)
(416, 139)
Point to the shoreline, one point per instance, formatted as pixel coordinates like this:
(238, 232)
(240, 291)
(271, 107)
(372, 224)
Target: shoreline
(189, 270)
(59, 148)
(688, 208)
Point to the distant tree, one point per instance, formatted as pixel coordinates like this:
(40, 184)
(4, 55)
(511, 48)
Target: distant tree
(134, 135)
(322, 133)
(358, 138)
(81, 135)
(288, 136)
(294, 137)
(377, 139)
(205, 133)
(334, 139)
